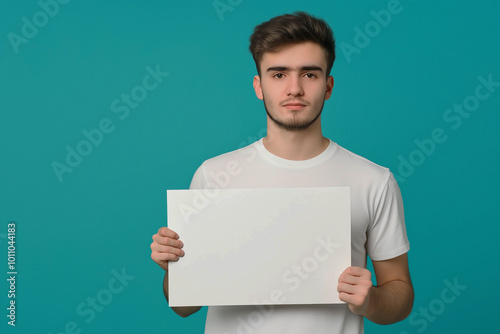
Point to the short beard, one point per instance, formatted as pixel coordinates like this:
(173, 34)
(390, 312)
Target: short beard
(293, 126)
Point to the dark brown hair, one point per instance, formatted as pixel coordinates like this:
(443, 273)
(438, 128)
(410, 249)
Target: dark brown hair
(289, 29)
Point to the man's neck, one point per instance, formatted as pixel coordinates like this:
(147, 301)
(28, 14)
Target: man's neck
(295, 145)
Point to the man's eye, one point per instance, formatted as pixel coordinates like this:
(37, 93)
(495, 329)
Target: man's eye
(310, 75)
(278, 75)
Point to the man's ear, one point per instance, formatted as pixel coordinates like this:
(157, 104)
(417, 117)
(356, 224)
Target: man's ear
(329, 87)
(257, 87)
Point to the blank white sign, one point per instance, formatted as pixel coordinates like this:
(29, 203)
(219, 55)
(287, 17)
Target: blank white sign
(259, 246)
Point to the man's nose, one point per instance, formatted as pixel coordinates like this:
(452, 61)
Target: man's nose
(294, 87)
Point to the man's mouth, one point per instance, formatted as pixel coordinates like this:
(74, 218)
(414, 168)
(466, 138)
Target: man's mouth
(294, 105)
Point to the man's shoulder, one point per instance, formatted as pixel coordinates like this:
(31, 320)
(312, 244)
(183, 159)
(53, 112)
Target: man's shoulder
(221, 168)
(359, 164)
(240, 155)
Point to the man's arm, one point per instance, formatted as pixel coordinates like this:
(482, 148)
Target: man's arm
(167, 247)
(182, 311)
(390, 301)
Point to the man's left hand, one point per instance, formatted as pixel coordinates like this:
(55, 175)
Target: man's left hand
(354, 288)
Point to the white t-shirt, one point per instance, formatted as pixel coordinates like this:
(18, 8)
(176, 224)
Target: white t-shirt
(377, 228)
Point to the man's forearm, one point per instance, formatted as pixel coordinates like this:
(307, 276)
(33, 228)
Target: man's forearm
(182, 311)
(390, 302)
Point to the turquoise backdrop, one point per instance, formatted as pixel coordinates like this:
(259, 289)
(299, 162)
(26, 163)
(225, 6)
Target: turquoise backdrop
(106, 104)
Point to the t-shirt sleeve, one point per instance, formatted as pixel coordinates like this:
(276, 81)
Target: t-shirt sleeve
(387, 234)
(198, 181)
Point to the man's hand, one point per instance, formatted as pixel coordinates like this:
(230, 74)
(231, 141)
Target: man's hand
(166, 247)
(354, 288)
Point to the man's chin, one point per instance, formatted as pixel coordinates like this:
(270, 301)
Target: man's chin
(294, 125)
(297, 121)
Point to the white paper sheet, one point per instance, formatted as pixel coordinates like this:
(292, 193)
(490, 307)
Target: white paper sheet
(259, 246)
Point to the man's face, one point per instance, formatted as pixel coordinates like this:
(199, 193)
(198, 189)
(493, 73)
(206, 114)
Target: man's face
(294, 86)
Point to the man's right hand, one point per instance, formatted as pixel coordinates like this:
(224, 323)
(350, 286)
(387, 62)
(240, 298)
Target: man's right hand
(166, 247)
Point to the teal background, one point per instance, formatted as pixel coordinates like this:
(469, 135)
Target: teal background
(72, 234)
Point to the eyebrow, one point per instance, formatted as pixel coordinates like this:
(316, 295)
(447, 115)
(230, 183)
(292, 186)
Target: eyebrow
(302, 68)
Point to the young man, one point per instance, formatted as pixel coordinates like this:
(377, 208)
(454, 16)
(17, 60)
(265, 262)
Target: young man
(294, 55)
